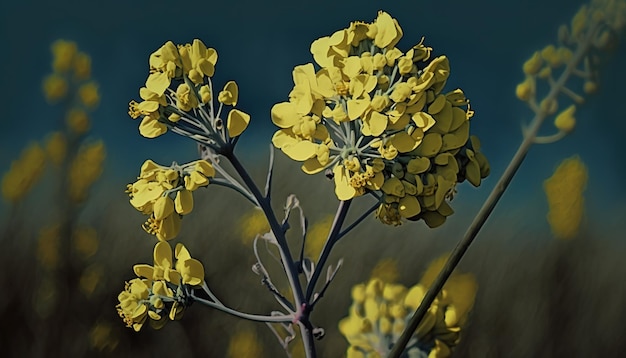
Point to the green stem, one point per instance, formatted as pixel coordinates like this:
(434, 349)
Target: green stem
(489, 205)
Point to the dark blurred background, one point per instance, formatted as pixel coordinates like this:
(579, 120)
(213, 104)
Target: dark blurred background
(537, 296)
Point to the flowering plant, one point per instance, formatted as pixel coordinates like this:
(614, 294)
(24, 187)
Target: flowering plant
(379, 124)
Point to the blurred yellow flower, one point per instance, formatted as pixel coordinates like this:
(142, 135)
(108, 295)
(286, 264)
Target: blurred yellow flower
(85, 169)
(88, 94)
(85, 240)
(77, 121)
(565, 121)
(63, 53)
(245, 343)
(564, 191)
(380, 310)
(90, 278)
(56, 147)
(316, 237)
(54, 87)
(251, 224)
(101, 337)
(386, 270)
(23, 173)
(82, 66)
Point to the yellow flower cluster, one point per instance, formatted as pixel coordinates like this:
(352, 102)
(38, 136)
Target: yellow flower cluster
(381, 310)
(564, 191)
(71, 68)
(85, 169)
(24, 173)
(165, 193)
(161, 290)
(593, 28)
(187, 106)
(377, 117)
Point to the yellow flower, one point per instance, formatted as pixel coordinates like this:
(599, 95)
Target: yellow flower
(63, 53)
(198, 60)
(185, 98)
(82, 66)
(229, 94)
(24, 173)
(564, 191)
(354, 110)
(56, 147)
(163, 268)
(252, 224)
(190, 269)
(565, 121)
(85, 169)
(380, 310)
(133, 307)
(88, 94)
(54, 88)
(77, 121)
(164, 64)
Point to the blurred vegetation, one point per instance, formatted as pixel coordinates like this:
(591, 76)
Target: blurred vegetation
(536, 295)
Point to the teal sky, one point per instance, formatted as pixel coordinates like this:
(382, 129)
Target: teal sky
(259, 43)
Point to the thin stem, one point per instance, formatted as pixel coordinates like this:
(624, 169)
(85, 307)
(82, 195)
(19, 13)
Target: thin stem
(340, 216)
(488, 206)
(239, 189)
(289, 265)
(248, 316)
(358, 221)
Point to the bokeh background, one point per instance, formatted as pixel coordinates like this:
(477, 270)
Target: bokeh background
(537, 296)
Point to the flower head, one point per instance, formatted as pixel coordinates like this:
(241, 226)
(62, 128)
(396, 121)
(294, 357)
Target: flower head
(381, 310)
(165, 194)
(162, 290)
(178, 96)
(379, 120)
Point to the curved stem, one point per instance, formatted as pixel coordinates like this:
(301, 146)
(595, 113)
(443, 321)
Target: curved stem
(228, 184)
(340, 216)
(248, 316)
(489, 204)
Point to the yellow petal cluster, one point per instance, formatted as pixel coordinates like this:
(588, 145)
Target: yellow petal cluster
(23, 173)
(156, 293)
(85, 169)
(182, 72)
(164, 193)
(70, 67)
(564, 191)
(378, 119)
(380, 311)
